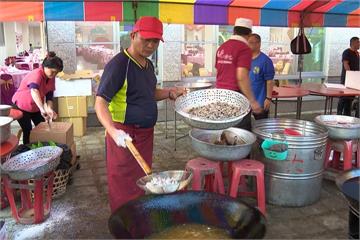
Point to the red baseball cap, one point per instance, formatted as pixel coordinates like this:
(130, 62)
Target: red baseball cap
(149, 27)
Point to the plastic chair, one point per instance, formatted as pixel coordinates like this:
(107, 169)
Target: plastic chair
(36, 65)
(208, 172)
(7, 89)
(248, 167)
(24, 66)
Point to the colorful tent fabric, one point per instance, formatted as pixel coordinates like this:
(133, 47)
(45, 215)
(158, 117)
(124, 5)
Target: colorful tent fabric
(282, 13)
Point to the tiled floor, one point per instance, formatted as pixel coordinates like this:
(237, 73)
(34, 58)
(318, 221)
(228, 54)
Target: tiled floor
(83, 211)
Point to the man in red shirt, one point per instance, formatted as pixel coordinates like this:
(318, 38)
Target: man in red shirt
(233, 62)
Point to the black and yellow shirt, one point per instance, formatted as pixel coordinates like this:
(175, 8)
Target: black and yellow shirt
(130, 90)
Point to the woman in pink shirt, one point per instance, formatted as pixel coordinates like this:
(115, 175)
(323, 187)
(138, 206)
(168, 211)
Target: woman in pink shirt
(35, 94)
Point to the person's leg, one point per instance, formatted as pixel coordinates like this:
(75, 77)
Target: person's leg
(264, 114)
(37, 118)
(347, 106)
(25, 124)
(340, 106)
(245, 123)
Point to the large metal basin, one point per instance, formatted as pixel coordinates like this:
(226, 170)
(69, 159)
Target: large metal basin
(5, 130)
(202, 141)
(153, 213)
(340, 127)
(295, 181)
(193, 86)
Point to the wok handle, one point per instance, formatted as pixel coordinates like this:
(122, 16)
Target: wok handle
(145, 167)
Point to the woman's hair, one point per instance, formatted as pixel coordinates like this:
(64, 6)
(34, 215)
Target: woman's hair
(52, 61)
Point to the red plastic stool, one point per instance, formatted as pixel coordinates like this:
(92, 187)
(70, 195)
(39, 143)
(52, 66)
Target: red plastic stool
(209, 171)
(6, 148)
(249, 167)
(347, 147)
(35, 211)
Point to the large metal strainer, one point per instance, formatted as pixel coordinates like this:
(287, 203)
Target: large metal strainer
(204, 97)
(33, 163)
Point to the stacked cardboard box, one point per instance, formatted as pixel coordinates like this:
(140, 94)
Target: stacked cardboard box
(74, 110)
(59, 132)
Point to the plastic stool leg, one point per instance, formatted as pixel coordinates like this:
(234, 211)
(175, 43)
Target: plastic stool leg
(196, 181)
(336, 160)
(49, 192)
(38, 201)
(10, 196)
(327, 155)
(219, 182)
(347, 155)
(260, 186)
(235, 180)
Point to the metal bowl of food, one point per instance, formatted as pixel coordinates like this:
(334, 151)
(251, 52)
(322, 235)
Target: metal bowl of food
(340, 127)
(165, 182)
(5, 110)
(228, 145)
(212, 108)
(5, 130)
(32, 163)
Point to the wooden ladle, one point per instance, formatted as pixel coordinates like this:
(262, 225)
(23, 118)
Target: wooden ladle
(145, 167)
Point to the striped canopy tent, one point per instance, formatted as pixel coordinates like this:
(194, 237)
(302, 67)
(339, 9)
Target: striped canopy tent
(280, 13)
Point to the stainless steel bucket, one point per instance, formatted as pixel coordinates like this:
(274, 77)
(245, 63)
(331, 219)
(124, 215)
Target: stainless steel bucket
(295, 181)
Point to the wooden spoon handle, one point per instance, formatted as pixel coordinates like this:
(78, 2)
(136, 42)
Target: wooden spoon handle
(138, 157)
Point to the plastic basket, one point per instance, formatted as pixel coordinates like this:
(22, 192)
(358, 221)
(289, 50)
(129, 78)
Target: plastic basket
(267, 143)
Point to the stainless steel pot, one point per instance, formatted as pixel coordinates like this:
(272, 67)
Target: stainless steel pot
(202, 141)
(295, 181)
(5, 110)
(340, 127)
(5, 131)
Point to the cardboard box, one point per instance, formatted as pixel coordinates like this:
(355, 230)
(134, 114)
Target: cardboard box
(73, 88)
(73, 151)
(352, 79)
(79, 125)
(72, 106)
(59, 132)
(90, 101)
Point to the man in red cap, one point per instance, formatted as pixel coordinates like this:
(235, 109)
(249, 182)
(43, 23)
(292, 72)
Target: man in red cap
(126, 107)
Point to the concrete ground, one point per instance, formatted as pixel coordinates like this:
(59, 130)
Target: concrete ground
(83, 211)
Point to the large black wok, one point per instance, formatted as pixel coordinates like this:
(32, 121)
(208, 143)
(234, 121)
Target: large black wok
(153, 213)
(349, 184)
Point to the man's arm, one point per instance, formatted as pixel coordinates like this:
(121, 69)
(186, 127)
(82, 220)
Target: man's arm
(104, 116)
(242, 76)
(346, 65)
(269, 89)
(171, 93)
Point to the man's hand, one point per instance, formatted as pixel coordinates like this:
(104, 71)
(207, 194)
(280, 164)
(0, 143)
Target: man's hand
(267, 104)
(119, 137)
(255, 106)
(176, 92)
